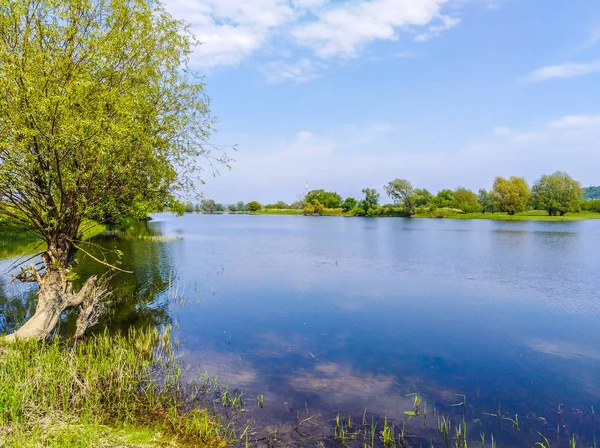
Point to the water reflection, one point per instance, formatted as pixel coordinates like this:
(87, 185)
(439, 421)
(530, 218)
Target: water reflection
(139, 299)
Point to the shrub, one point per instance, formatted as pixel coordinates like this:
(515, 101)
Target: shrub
(253, 206)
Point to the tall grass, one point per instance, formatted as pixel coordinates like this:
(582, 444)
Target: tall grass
(106, 391)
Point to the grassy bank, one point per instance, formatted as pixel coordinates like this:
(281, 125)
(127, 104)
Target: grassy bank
(278, 211)
(106, 391)
(16, 241)
(533, 215)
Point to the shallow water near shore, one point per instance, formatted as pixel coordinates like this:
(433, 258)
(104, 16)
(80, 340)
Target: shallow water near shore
(337, 315)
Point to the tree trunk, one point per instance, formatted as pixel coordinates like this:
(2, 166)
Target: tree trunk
(56, 294)
(55, 297)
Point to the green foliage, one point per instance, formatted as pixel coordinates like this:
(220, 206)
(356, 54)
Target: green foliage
(54, 395)
(422, 197)
(591, 193)
(402, 192)
(371, 199)
(329, 199)
(465, 200)
(298, 205)
(208, 206)
(99, 117)
(349, 204)
(313, 207)
(591, 205)
(510, 195)
(376, 210)
(557, 193)
(485, 201)
(232, 208)
(279, 205)
(241, 207)
(253, 206)
(444, 198)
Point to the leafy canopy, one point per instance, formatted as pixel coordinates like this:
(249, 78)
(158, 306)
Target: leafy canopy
(402, 192)
(329, 199)
(349, 204)
(485, 200)
(557, 193)
(99, 117)
(253, 206)
(444, 198)
(510, 195)
(591, 193)
(371, 199)
(465, 200)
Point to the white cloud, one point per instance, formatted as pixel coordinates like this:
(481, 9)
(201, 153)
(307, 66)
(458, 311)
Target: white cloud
(299, 71)
(343, 30)
(576, 122)
(309, 3)
(232, 30)
(566, 70)
(435, 30)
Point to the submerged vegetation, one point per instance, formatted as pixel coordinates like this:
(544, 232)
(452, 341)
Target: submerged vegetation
(458, 426)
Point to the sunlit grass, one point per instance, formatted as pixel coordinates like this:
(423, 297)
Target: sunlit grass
(534, 215)
(105, 391)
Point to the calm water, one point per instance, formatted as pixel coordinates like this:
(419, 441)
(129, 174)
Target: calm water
(327, 315)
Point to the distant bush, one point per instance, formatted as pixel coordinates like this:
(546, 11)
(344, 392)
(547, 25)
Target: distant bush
(591, 205)
(354, 211)
(434, 212)
(314, 207)
(376, 210)
(298, 205)
(279, 205)
(253, 206)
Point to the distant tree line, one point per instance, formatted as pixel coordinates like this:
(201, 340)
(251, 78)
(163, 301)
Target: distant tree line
(556, 193)
(591, 193)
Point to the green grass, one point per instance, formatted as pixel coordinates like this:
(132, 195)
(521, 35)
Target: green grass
(535, 215)
(16, 241)
(105, 391)
(278, 211)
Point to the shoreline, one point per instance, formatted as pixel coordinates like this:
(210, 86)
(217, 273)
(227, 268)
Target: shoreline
(500, 216)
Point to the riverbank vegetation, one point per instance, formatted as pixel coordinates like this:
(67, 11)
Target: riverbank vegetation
(552, 197)
(108, 390)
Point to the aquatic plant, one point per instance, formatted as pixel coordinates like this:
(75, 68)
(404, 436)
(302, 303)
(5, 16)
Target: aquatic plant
(387, 434)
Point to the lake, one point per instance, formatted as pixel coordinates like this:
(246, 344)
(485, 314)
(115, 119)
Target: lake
(328, 315)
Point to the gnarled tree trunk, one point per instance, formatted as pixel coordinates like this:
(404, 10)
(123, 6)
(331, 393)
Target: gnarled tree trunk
(56, 295)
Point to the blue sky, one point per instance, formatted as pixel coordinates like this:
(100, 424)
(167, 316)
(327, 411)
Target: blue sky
(352, 94)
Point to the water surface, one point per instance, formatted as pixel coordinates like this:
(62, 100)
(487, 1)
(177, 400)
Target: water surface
(327, 315)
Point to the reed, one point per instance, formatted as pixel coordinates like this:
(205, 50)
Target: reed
(106, 390)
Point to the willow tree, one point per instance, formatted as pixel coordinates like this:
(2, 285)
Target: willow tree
(99, 118)
(557, 193)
